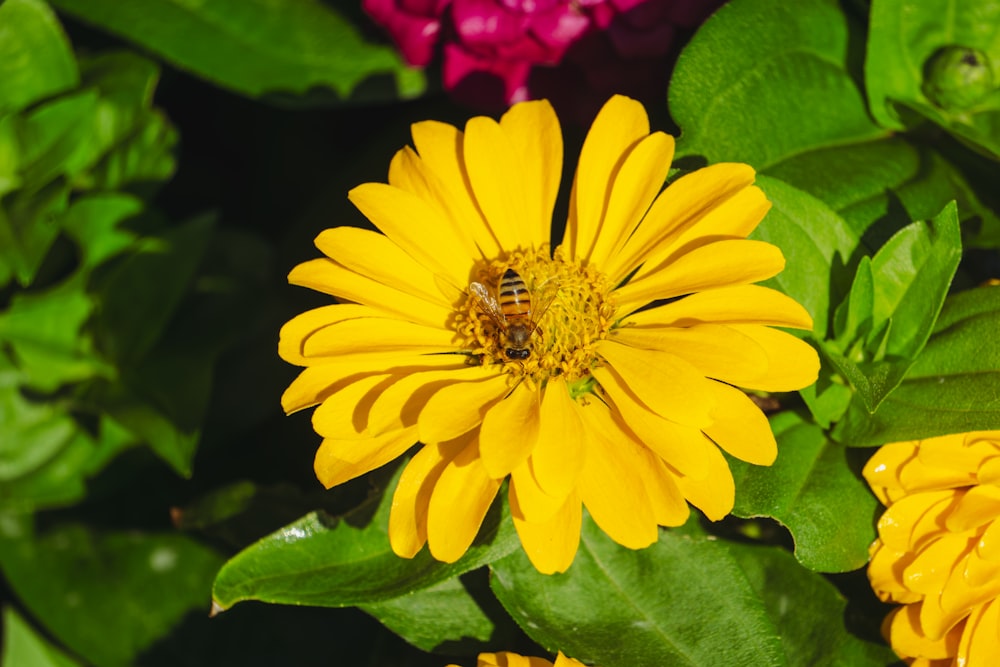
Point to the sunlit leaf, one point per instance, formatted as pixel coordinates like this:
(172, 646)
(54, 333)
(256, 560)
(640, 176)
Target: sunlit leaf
(23, 646)
(35, 57)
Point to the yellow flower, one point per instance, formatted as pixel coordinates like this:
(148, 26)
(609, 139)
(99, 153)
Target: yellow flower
(938, 551)
(614, 393)
(506, 659)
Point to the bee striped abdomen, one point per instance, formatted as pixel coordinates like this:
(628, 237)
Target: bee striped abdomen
(513, 296)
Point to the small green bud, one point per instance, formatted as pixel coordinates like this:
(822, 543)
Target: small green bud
(957, 77)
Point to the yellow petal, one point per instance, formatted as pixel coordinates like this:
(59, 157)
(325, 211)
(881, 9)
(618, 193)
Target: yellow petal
(459, 407)
(897, 524)
(885, 575)
(933, 565)
(740, 428)
(408, 172)
(666, 384)
(408, 514)
(792, 363)
(685, 448)
(507, 659)
(882, 469)
(338, 461)
(978, 570)
(714, 495)
(375, 256)
(440, 149)
(558, 456)
(295, 334)
(509, 431)
(639, 179)
(721, 264)
(329, 277)
(611, 484)
(907, 637)
(344, 414)
(980, 643)
(400, 404)
(462, 495)
(378, 334)
(952, 452)
(497, 181)
(742, 304)
(534, 133)
(988, 546)
(665, 497)
(717, 351)
(680, 207)
(551, 545)
(563, 661)
(978, 505)
(619, 125)
(318, 381)
(409, 221)
(527, 499)
(733, 218)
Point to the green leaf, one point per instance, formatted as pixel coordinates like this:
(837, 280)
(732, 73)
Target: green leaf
(254, 47)
(455, 617)
(28, 227)
(94, 222)
(879, 187)
(36, 60)
(61, 480)
(682, 601)
(43, 330)
(950, 388)
(905, 286)
(31, 433)
(108, 595)
(748, 105)
(815, 490)
(140, 293)
(818, 246)
(173, 443)
(24, 647)
(907, 63)
(336, 562)
(807, 608)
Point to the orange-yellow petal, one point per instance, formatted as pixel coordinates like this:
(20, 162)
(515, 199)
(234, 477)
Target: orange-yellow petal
(532, 503)
(667, 384)
(792, 363)
(980, 643)
(459, 407)
(611, 484)
(907, 637)
(740, 428)
(720, 264)
(551, 545)
(344, 414)
(619, 125)
(715, 494)
(509, 431)
(558, 456)
(462, 495)
(408, 514)
(740, 304)
(338, 461)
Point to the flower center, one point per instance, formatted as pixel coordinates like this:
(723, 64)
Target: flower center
(537, 316)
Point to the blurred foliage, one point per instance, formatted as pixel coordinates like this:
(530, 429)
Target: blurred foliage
(145, 230)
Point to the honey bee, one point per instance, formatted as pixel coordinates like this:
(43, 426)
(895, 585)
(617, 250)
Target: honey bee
(511, 312)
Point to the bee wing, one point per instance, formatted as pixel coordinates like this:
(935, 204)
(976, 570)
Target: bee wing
(545, 294)
(488, 304)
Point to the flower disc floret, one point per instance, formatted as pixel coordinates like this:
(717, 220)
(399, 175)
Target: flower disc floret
(624, 395)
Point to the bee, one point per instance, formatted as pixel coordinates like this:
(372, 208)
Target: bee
(511, 312)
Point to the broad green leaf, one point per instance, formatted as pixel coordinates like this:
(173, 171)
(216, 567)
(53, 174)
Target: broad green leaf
(62, 479)
(31, 432)
(817, 245)
(455, 617)
(24, 647)
(29, 223)
(905, 285)
(814, 489)
(254, 47)
(36, 60)
(682, 601)
(94, 222)
(173, 443)
(342, 561)
(140, 292)
(807, 608)
(878, 187)
(950, 388)
(753, 73)
(906, 42)
(43, 330)
(108, 595)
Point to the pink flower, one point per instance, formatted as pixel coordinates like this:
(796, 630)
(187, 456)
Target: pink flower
(576, 52)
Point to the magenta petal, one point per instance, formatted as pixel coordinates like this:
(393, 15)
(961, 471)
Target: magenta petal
(486, 22)
(530, 6)
(415, 36)
(558, 29)
(484, 82)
